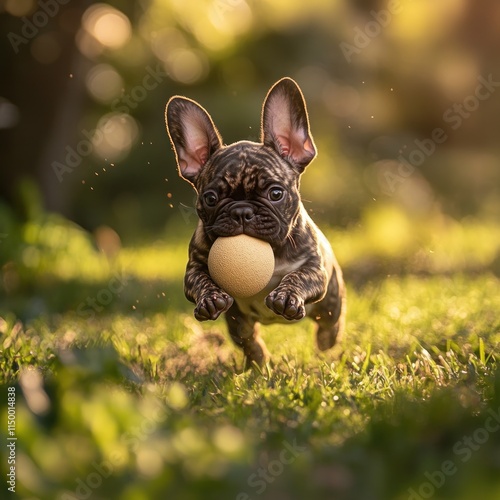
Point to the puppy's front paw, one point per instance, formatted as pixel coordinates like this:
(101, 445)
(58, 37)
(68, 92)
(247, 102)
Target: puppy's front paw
(286, 303)
(212, 305)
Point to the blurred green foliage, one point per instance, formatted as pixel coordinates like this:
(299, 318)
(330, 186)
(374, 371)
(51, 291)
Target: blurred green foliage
(415, 68)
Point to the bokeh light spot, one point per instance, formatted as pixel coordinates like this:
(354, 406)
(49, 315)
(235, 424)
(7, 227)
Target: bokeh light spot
(233, 17)
(165, 41)
(88, 45)
(229, 440)
(32, 385)
(104, 83)
(115, 135)
(110, 27)
(187, 66)
(149, 462)
(19, 8)
(9, 114)
(46, 48)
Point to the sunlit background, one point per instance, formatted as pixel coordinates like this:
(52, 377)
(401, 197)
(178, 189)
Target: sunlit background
(83, 90)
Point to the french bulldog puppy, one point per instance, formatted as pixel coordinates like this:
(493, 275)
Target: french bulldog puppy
(253, 188)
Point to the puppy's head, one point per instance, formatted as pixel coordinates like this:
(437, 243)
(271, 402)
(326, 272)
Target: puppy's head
(246, 187)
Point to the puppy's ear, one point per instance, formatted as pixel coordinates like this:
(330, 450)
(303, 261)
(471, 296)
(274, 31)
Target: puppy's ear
(192, 134)
(285, 125)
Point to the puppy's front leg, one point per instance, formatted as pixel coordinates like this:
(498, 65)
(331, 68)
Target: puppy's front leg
(298, 288)
(244, 333)
(211, 301)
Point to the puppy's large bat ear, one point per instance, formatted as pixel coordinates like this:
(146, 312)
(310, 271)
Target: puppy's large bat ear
(192, 134)
(285, 124)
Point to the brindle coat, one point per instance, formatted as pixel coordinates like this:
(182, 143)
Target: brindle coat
(253, 188)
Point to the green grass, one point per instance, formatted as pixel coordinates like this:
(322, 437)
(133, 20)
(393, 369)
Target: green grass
(140, 401)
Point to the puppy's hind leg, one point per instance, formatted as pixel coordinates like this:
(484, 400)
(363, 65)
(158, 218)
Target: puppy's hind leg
(244, 333)
(329, 314)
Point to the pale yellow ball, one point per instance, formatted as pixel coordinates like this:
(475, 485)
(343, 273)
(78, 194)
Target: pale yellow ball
(241, 265)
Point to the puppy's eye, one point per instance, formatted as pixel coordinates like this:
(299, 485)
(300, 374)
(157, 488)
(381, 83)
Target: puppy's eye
(275, 194)
(210, 198)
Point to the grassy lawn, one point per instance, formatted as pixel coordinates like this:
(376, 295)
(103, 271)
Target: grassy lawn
(121, 394)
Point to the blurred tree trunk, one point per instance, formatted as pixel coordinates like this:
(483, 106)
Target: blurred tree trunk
(49, 103)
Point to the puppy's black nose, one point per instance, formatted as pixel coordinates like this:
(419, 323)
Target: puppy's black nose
(242, 214)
